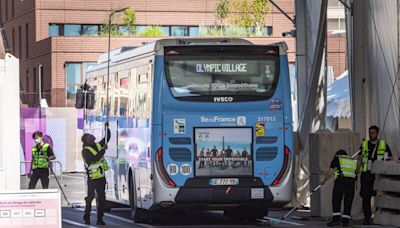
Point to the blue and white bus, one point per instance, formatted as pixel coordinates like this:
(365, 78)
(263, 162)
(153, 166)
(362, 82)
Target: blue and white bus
(203, 123)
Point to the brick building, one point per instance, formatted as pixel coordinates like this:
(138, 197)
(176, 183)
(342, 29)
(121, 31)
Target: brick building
(59, 39)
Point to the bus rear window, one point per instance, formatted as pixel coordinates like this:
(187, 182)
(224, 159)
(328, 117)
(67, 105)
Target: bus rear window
(240, 76)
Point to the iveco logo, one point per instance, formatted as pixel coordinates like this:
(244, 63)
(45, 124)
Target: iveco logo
(223, 99)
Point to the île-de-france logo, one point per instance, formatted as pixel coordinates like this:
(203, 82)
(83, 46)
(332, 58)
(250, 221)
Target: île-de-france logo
(241, 121)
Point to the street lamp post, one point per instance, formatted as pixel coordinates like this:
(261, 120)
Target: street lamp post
(108, 58)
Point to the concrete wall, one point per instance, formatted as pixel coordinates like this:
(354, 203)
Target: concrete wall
(387, 185)
(323, 145)
(9, 122)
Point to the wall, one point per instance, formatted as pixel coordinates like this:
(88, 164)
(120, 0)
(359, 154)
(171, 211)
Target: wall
(9, 137)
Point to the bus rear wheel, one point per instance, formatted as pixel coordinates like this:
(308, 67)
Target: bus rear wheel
(138, 215)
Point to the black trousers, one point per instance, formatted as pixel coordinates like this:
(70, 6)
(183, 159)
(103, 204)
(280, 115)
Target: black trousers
(367, 192)
(43, 175)
(343, 188)
(98, 186)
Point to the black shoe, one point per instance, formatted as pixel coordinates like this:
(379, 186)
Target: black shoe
(87, 221)
(100, 222)
(367, 222)
(334, 222)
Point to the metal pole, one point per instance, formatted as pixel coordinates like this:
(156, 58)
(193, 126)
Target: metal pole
(40, 85)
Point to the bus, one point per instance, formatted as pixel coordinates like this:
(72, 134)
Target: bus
(196, 123)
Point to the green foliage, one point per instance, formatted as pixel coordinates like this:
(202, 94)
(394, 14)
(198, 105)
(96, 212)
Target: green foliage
(222, 9)
(114, 30)
(250, 14)
(152, 31)
(228, 31)
(129, 19)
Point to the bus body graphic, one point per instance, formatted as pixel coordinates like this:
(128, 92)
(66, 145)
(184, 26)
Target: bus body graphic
(197, 122)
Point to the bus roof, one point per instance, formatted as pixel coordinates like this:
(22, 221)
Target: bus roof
(127, 52)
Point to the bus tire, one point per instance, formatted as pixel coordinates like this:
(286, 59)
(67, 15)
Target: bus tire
(138, 215)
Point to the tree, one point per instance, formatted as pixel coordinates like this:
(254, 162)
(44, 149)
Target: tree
(152, 31)
(130, 20)
(260, 9)
(250, 14)
(222, 10)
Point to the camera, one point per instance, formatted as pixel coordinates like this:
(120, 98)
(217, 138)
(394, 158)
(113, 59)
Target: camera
(291, 33)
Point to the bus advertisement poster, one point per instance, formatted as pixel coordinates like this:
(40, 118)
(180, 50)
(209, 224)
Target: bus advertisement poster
(223, 151)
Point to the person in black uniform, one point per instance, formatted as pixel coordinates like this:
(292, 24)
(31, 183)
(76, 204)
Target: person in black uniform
(369, 154)
(344, 169)
(95, 165)
(41, 155)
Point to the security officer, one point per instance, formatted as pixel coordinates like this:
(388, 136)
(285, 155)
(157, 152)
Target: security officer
(344, 168)
(369, 154)
(41, 155)
(95, 165)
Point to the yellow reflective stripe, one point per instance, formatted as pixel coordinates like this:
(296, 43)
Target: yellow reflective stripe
(98, 146)
(93, 151)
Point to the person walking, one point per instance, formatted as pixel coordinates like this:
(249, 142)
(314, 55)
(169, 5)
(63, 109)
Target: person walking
(344, 169)
(42, 153)
(96, 166)
(371, 150)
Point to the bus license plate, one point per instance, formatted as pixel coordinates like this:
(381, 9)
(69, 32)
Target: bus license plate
(224, 181)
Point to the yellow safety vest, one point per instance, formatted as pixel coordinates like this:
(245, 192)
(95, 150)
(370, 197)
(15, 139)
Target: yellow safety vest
(365, 151)
(348, 167)
(39, 157)
(97, 169)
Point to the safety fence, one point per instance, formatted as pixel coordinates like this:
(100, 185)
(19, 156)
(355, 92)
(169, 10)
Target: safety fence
(387, 185)
(55, 171)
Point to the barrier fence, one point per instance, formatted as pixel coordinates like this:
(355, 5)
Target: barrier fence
(56, 167)
(387, 185)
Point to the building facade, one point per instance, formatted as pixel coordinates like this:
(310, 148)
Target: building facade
(56, 40)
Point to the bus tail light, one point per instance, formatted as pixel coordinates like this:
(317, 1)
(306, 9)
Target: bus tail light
(285, 167)
(161, 169)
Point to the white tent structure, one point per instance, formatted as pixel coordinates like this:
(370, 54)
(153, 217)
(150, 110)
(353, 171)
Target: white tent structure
(338, 98)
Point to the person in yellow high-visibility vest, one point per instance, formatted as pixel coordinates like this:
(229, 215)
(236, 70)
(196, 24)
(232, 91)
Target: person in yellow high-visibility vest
(344, 169)
(369, 154)
(96, 166)
(41, 155)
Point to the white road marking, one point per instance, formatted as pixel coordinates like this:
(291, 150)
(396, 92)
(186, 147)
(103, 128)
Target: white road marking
(76, 223)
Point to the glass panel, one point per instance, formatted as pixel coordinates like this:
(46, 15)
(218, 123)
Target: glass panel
(267, 31)
(71, 92)
(165, 30)
(74, 73)
(86, 66)
(194, 31)
(179, 31)
(90, 30)
(54, 30)
(123, 29)
(141, 28)
(72, 30)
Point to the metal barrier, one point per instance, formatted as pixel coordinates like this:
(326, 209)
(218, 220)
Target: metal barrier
(56, 167)
(387, 185)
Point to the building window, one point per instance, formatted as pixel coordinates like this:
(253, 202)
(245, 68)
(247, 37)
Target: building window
(6, 9)
(75, 76)
(165, 30)
(194, 31)
(54, 30)
(179, 31)
(12, 8)
(20, 41)
(13, 41)
(90, 30)
(72, 30)
(141, 28)
(27, 39)
(267, 31)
